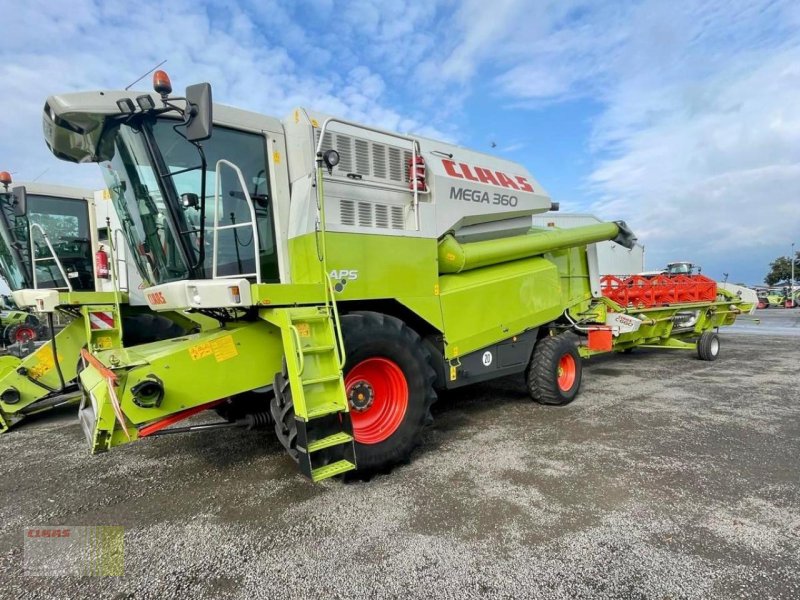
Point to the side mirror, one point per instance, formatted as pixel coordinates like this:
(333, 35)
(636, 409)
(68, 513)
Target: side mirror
(198, 99)
(19, 200)
(190, 200)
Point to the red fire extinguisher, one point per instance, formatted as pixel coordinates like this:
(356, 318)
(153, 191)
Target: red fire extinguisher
(417, 173)
(101, 263)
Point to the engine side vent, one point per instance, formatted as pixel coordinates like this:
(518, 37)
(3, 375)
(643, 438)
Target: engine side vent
(382, 216)
(362, 157)
(367, 158)
(395, 165)
(398, 220)
(365, 214)
(347, 212)
(344, 146)
(379, 160)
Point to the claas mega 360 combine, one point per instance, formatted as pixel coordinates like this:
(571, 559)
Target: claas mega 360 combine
(354, 273)
(52, 259)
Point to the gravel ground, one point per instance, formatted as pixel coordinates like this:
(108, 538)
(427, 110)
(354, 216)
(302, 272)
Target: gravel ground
(668, 477)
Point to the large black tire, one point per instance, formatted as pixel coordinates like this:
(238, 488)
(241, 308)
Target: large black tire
(369, 335)
(554, 374)
(146, 328)
(282, 410)
(708, 346)
(20, 332)
(374, 335)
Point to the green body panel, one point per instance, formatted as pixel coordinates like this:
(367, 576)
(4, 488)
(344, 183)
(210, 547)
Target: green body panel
(573, 273)
(8, 363)
(223, 356)
(374, 267)
(484, 306)
(455, 257)
(12, 317)
(658, 328)
(81, 298)
(278, 294)
(41, 367)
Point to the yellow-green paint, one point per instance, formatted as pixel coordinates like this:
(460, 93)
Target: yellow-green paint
(483, 306)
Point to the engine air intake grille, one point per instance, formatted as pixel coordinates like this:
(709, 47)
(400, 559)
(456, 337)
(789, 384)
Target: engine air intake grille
(380, 162)
(368, 214)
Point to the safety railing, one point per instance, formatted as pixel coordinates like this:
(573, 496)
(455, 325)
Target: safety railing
(53, 257)
(252, 224)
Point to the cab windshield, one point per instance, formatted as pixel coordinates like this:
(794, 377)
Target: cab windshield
(154, 177)
(66, 223)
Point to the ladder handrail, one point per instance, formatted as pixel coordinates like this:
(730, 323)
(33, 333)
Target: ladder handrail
(114, 243)
(330, 297)
(52, 256)
(216, 228)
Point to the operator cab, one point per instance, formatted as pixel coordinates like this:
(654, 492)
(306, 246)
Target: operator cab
(163, 180)
(45, 238)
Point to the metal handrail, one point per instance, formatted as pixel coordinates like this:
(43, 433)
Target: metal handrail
(119, 258)
(217, 227)
(52, 256)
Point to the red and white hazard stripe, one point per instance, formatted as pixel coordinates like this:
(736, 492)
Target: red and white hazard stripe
(101, 320)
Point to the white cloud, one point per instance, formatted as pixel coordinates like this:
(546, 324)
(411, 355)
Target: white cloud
(698, 134)
(698, 139)
(246, 55)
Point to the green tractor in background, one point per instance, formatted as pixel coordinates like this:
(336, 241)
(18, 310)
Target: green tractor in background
(18, 326)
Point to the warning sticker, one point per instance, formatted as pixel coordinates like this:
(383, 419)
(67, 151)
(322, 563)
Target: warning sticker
(304, 329)
(224, 348)
(45, 364)
(104, 342)
(199, 351)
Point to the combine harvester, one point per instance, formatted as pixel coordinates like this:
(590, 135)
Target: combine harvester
(52, 259)
(354, 273)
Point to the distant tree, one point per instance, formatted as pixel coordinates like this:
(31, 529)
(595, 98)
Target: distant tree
(780, 269)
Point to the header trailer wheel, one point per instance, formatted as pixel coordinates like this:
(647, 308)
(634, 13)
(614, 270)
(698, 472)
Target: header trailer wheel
(554, 374)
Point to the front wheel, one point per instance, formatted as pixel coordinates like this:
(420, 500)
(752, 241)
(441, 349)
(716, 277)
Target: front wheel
(554, 373)
(708, 346)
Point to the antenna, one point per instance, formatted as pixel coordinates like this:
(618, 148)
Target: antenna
(130, 85)
(40, 174)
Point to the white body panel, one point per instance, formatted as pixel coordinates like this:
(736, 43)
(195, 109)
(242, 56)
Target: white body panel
(202, 293)
(39, 300)
(369, 191)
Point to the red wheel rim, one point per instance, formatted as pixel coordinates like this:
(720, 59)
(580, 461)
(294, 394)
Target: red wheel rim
(378, 395)
(23, 334)
(567, 370)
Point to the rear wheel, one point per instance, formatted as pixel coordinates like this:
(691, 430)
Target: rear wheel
(389, 384)
(554, 374)
(708, 346)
